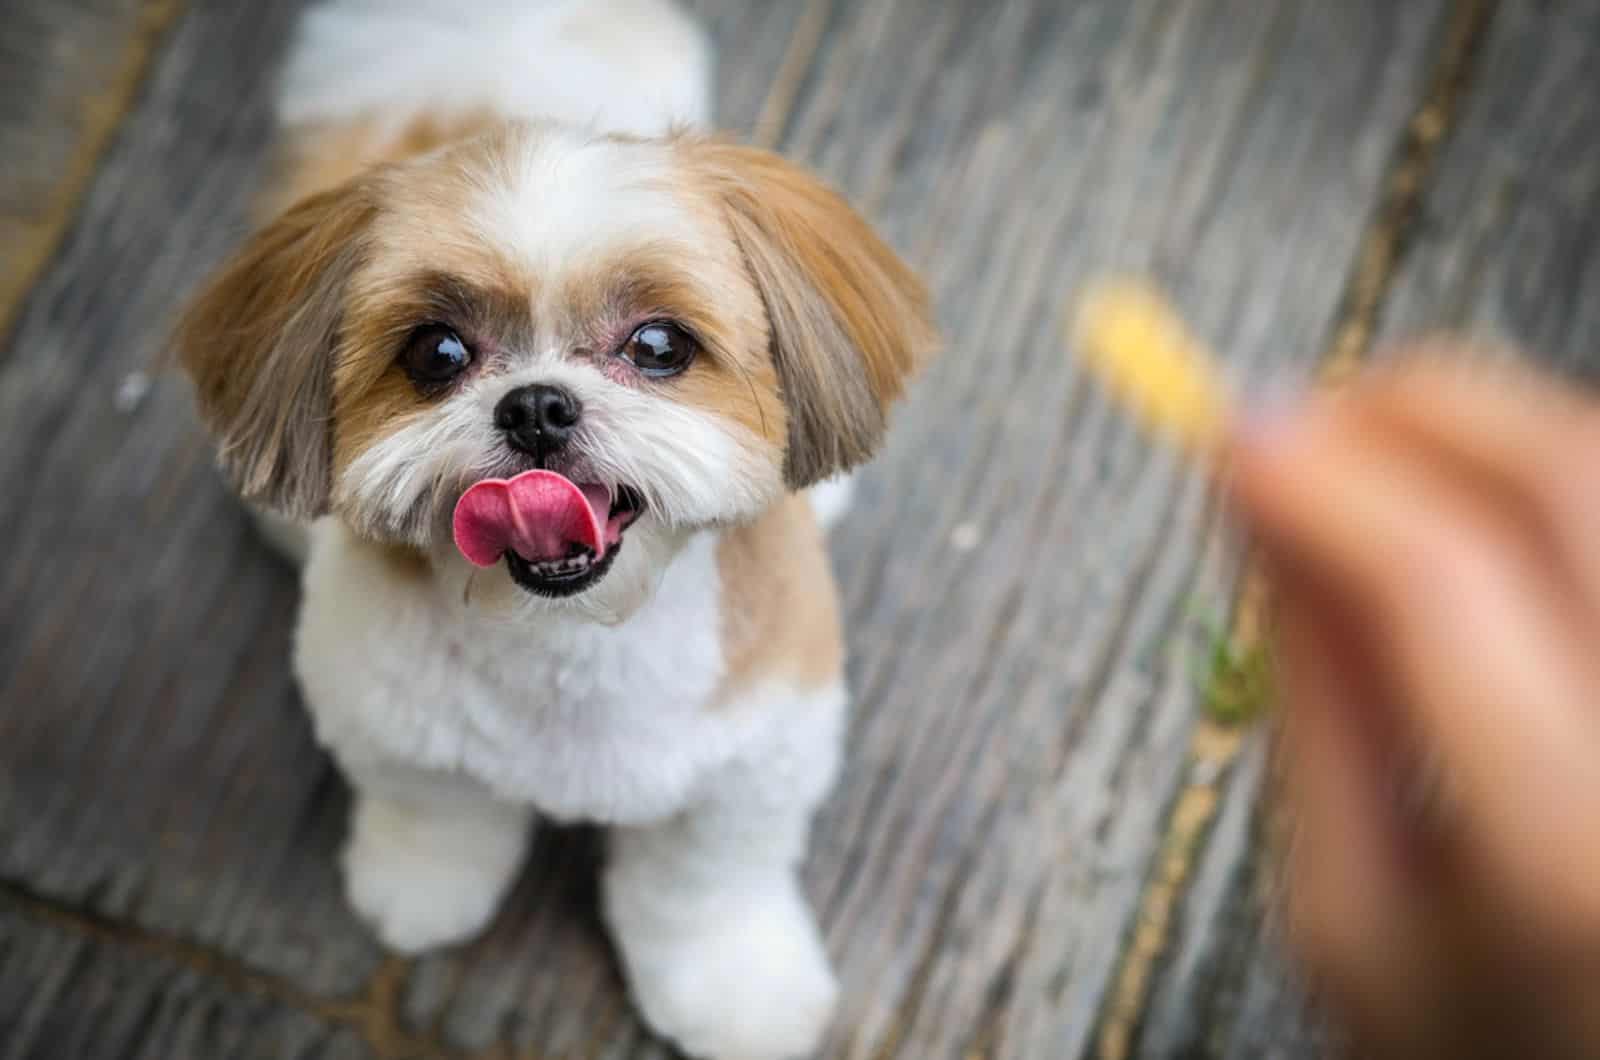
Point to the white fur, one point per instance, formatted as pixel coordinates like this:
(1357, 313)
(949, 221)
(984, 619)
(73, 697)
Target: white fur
(460, 706)
(625, 65)
(429, 855)
(582, 721)
(719, 946)
(831, 498)
(454, 724)
(570, 196)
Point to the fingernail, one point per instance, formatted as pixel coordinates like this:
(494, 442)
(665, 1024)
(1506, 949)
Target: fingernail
(1268, 415)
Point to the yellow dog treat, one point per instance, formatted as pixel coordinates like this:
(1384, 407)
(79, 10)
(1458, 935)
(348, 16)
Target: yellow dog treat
(1136, 344)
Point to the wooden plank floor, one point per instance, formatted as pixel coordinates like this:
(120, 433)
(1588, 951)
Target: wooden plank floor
(1039, 850)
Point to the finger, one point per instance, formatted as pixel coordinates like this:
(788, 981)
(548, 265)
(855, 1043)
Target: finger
(1351, 907)
(1531, 441)
(1498, 414)
(1465, 637)
(1343, 869)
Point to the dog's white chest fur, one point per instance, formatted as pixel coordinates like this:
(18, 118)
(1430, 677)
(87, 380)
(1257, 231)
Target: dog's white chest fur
(580, 720)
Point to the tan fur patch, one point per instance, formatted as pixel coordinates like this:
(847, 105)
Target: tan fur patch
(780, 612)
(742, 393)
(380, 409)
(259, 340)
(257, 343)
(316, 158)
(404, 562)
(850, 321)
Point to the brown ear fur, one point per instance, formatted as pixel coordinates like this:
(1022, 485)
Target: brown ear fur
(850, 320)
(258, 342)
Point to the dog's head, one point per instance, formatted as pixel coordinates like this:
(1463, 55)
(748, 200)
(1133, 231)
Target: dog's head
(673, 331)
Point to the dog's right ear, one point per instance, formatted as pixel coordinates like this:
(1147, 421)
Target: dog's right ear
(850, 320)
(258, 342)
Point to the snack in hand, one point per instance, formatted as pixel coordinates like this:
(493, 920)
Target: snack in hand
(1133, 340)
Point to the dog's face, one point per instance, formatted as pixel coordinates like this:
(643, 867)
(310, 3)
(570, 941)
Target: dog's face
(679, 330)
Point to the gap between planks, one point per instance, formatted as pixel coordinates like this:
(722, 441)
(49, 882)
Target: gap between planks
(373, 1011)
(102, 114)
(1215, 747)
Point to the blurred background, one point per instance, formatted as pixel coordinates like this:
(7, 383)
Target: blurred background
(1049, 840)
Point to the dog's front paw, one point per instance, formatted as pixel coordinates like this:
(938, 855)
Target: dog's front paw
(419, 883)
(742, 979)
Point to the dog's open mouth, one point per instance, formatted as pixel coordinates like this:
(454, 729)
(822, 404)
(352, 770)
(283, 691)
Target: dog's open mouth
(557, 537)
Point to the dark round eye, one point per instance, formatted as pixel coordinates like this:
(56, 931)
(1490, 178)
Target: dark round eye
(434, 355)
(660, 349)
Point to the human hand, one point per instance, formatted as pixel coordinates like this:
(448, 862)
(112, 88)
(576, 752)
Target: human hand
(1433, 537)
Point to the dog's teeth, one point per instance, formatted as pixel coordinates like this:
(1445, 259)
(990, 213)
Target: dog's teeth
(567, 565)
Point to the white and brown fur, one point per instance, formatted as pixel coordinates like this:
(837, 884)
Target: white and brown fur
(526, 173)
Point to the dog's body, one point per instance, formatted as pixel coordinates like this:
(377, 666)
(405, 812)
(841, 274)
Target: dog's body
(366, 364)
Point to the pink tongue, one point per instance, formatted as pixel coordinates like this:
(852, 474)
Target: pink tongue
(539, 515)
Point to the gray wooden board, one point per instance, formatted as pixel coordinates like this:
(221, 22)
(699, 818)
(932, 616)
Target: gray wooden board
(156, 764)
(1223, 988)
(1018, 574)
(62, 65)
(65, 994)
(1510, 244)
(1235, 152)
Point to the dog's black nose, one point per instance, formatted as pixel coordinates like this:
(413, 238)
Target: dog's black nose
(538, 419)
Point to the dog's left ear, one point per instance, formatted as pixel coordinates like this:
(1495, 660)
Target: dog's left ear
(850, 321)
(258, 342)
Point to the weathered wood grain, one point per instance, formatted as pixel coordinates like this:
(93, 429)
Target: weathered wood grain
(1224, 988)
(764, 51)
(1510, 242)
(1019, 572)
(1209, 145)
(66, 994)
(68, 72)
(1218, 984)
(155, 762)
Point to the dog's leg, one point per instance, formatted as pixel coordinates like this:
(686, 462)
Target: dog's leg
(720, 947)
(429, 855)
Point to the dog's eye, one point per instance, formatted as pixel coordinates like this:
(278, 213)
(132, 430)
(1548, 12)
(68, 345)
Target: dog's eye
(660, 349)
(433, 355)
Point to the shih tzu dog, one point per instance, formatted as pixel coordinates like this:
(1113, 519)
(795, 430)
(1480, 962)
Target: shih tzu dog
(543, 386)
